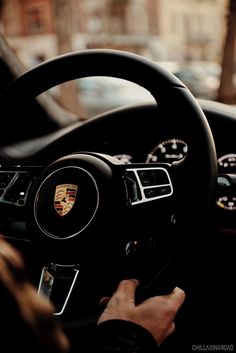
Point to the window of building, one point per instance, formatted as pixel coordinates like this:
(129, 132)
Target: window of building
(117, 15)
(34, 21)
(37, 17)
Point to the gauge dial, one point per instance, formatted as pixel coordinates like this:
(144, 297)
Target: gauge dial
(227, 202)
(227, 163)
(226, 189)
(125, 158)
(168, 151)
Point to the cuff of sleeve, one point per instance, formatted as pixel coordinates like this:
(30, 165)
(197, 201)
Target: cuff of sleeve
(124, 336)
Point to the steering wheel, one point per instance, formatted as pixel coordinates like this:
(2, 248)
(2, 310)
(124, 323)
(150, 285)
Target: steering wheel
(96, 220)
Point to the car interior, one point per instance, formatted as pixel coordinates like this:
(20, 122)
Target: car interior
(144, 191)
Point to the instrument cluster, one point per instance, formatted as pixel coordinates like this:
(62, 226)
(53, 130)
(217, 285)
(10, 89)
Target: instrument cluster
(226, 191)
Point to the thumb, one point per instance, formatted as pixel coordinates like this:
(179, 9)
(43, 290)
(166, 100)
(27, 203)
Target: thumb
(126, 291)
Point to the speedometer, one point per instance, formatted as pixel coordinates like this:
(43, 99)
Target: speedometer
(168, 151)
(227, 163)
(227, 202)
(226, 190)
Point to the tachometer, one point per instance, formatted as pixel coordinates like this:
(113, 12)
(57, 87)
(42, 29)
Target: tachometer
(227, 163)
(226, 190)
(168, 151)
(227, 202)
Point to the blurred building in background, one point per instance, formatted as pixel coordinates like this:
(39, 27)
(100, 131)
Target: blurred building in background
(163, 30)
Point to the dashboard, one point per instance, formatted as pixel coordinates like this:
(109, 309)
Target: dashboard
(139, 134)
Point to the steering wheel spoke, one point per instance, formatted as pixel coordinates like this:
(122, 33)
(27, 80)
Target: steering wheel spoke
(57, 283)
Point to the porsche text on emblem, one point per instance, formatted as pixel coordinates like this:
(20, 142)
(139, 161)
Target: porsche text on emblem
(64, 198)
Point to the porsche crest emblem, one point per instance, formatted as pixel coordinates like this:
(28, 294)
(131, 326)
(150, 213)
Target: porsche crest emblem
(64, 198)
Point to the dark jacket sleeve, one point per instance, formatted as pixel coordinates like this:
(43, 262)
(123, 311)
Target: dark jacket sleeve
(122, 336)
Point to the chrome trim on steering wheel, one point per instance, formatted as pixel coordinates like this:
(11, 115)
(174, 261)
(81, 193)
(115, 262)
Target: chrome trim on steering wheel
(153, 184)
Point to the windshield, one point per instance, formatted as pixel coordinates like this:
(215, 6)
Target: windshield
(193, 39)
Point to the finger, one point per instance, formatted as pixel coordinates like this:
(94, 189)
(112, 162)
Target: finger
(37, 312)
(11, 256)
(103, 301)
(177, 296)
(126, 291)
(8, 282)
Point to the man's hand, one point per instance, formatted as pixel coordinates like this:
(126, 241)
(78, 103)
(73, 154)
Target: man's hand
(33, 312)
(155, 314)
